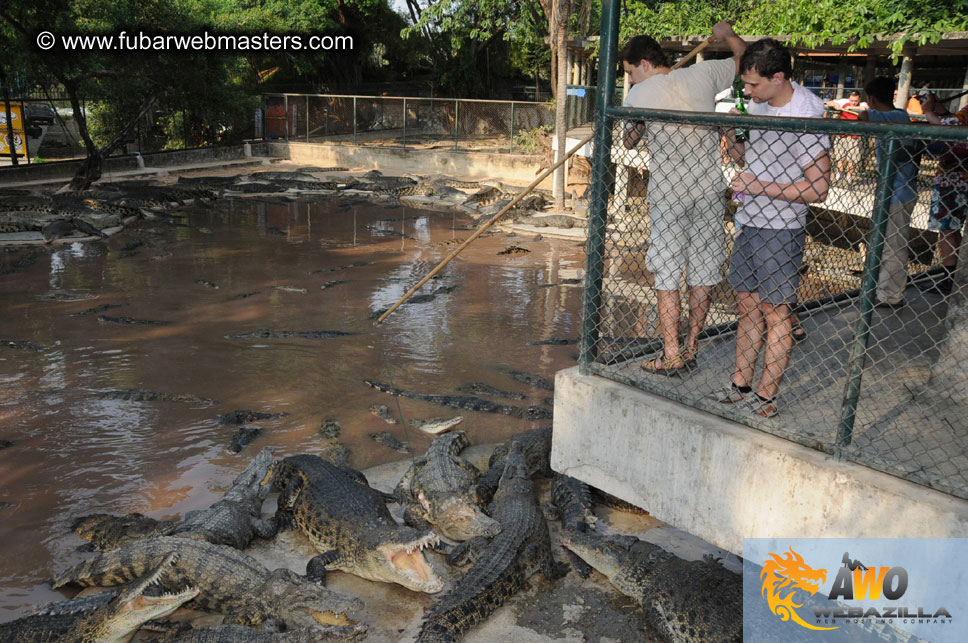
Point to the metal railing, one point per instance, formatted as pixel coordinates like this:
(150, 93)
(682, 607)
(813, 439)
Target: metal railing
(879, 385)
(437, 123)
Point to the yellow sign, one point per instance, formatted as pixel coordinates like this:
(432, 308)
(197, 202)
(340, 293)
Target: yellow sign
(19, 136)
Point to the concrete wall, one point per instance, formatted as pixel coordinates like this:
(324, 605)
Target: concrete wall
(129, 162)
(723, 481)
(514, 168)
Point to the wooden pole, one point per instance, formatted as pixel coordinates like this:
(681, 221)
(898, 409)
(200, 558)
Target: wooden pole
(515, 201)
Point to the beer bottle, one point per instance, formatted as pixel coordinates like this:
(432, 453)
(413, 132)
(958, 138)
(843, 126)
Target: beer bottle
(742, 134)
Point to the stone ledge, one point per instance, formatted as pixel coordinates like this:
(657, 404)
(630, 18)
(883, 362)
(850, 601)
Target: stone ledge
(722, 481)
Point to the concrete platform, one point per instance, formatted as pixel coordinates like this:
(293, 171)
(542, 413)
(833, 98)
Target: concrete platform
(723, 481)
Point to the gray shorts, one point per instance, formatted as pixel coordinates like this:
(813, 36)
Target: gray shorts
(767, 262)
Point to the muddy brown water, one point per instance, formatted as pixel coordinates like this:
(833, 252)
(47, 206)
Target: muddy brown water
(75, 453)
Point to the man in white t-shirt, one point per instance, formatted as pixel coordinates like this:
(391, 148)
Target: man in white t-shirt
(685, 185)
(785, 172)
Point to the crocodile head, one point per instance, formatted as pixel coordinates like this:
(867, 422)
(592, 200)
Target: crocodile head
(120, 619)
(624, 559)
(397, 557)
(305, 603)
(516, 478)
(457, 518)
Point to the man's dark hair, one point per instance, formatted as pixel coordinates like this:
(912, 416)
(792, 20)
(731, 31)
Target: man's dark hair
(854, 93)
(767, 57)
(644, 48)
(882, 88)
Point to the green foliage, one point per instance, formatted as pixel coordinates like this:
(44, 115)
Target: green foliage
(529, 141)
(808, 22)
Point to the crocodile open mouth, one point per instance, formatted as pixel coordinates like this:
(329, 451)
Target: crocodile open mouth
(330, 618)
(408, 562)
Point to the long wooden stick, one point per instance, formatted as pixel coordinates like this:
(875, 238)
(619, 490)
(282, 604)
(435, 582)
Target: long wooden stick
(516, 200)
(484, 227)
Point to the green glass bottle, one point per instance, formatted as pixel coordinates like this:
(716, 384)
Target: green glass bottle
(742, 134)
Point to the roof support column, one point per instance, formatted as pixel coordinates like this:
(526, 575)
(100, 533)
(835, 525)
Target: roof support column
(904, 78)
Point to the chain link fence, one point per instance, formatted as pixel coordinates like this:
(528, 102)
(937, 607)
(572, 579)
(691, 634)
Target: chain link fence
(709, 286)
(428, 123)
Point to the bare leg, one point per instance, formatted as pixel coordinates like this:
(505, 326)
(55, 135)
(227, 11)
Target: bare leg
(670, 310)
(779, 342)
(699, 299)
(948, 242)
(749, 337)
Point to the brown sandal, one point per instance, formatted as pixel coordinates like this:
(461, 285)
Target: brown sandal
(661, 366)
(689, 355)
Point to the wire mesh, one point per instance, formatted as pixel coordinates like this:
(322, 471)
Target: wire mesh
(427, 123)
(792, 283)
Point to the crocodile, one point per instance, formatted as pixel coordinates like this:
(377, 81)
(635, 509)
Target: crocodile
(439, 490)
(295, 289)
(141, 395)
(450, 242)
(255, 187)
(207, 284)
(330, 284)
(22, 345)
(62, 295)
(612, 502)
(96, 310)
(387, 439)
(553, 221)
(328, 168)
(554, 341)
(480, 388)
(131, 321)
(348, 522)
(228, 581)
(234, 520)
(244, 295)
(436, 426)
(382, 412)
(6, 444)
(488, 195)
(466, 402)
(355, 264)
(107, 617)
(105, 531)
(531, 380)
(266, 333)
(405, 190)
(685, 601)
(310, 185)
(242, 634)
(537, 452)
(242, 438)
(275, 175)
(514, 250)
(243, 416)
(503, 565)
(571, 500)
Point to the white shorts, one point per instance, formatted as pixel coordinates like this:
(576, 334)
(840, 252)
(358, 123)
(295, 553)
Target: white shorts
(689, 235)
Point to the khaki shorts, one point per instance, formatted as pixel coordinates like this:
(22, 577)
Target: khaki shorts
(687, 235)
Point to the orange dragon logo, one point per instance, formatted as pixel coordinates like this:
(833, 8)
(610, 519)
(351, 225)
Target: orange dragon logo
(782, 576)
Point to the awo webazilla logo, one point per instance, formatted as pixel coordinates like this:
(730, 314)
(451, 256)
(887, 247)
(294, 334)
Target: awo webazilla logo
(785, 576)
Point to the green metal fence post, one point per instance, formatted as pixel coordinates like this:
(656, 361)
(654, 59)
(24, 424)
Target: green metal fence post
(887, 170)
(307, 118)
(456, 135)
(354, 120)
(598, 208)
(285, 116)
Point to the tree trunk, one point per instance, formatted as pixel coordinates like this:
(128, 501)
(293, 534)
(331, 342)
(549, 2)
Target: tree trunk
(561, 33)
